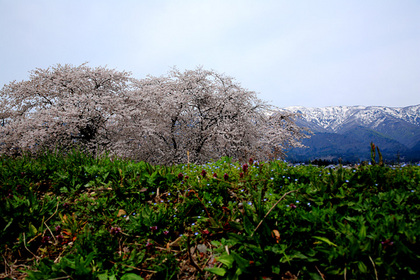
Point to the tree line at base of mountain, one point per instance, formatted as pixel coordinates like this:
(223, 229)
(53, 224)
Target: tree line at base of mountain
(352, 147)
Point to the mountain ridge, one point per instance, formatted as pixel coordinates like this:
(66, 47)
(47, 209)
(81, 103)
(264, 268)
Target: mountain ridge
(344, 132)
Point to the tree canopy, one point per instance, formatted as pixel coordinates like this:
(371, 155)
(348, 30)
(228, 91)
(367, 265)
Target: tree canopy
(196, 115)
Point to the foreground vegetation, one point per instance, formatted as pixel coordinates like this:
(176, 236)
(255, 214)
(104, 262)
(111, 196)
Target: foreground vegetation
(76, 217)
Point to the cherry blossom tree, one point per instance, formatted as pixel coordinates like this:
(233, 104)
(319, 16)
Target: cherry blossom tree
(196, 115)
(63, 106)
(200, 115)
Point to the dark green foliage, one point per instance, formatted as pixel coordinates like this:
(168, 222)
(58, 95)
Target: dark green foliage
(79, 217)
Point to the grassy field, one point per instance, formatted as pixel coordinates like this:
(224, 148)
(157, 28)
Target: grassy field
(76, 217)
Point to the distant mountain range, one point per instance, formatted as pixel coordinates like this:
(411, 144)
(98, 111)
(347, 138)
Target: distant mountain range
(345, 132)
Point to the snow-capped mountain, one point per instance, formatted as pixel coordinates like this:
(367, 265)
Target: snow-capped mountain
(342, 128)
(333, 119)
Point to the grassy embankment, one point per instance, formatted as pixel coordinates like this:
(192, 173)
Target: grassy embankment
(76, 217)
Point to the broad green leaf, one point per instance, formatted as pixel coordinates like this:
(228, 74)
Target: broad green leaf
(217, 270)
(32, 229)
(131, 276)
(299, 255)
(315, 276)
(275, 269)
(238, 272)
(324, 239)
(334, 272)
(226, 260)
(362, 267)
(242, 263)
(279, 248)
(362, 233)
(103, 276)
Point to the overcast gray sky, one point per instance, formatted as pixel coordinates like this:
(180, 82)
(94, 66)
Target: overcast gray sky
(309, 53)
